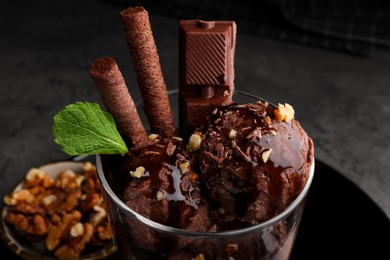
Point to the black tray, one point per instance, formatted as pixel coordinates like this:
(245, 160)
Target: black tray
(340, 221)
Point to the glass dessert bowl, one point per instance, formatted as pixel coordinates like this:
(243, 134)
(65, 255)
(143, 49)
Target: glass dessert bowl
(138, 237)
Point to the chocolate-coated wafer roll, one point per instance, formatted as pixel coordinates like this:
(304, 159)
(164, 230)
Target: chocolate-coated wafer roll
(147, 67)
(115, 94)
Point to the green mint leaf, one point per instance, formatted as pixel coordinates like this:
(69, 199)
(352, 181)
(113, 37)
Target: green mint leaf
(83, 128)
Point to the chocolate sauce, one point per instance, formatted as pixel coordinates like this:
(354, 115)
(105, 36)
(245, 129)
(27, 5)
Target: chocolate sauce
(163, 193)
(253, 165)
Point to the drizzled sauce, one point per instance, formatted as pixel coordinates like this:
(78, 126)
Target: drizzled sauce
(245, 176)
(162, 176)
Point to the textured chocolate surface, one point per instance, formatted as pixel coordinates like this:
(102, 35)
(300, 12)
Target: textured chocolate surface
(147, 66)
(206, 65)
(253, 165)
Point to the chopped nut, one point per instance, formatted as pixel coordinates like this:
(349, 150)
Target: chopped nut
(79, 180)
(184, 167)
(71, 201)
(104, 231)
(199, 257)
(88, 167)
(75, 246)
(69, 173)
(265, 155)
(19, 195)
(66, 180)
(138, 173)
(37, 177)
(194, 177)
(194, 142)
(232, 133)
(88, 201)
(100, 213)
(9, 201)
(153, 137)
(284, 113)
(34, 225)
(159, 195)
(49, 209)
(77, 229)
(56, 231)
(49, 199)
(267, 120)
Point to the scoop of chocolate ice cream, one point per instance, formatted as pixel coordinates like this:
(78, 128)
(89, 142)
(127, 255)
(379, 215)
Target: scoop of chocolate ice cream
(160, 183)
(254, 159)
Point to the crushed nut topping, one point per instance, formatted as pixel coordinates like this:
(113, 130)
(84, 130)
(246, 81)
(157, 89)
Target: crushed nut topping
(49, 199)
(194, 177)
(77, 229)
(138, 173)
(22, 195)
(284, 113)
(265, 155)
(194, 142)
(232, 133)
(153, 137)
(184, 167)
(267, 120)
(159, 195)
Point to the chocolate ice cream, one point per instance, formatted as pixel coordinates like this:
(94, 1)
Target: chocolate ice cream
(160, 183)
(254, 159)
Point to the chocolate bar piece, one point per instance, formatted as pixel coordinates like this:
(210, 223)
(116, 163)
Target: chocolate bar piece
(206, 76)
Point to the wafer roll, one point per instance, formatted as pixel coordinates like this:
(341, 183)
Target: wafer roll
(147, 67)
(114, 92)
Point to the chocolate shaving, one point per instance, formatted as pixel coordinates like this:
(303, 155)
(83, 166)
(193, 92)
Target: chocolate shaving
(146, 62)
(238, 150)
(180, 157)
(255, 134)
(215, 158)
(152, 153)
(170, 148)
(115, 94)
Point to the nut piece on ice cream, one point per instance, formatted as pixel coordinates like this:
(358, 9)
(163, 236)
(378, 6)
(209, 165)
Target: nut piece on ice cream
(254, 159)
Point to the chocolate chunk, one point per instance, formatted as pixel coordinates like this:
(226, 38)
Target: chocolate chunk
(206, 59)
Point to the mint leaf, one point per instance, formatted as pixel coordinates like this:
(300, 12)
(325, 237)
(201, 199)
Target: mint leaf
(83, 128)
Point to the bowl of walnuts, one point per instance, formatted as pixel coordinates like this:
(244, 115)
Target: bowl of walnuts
(57, 212)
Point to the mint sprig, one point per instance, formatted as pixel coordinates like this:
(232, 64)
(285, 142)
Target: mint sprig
(83, 128)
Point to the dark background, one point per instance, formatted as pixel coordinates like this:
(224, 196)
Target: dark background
(339, 86)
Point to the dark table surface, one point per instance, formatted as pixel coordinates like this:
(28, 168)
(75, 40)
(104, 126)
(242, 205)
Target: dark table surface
(342, 100)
